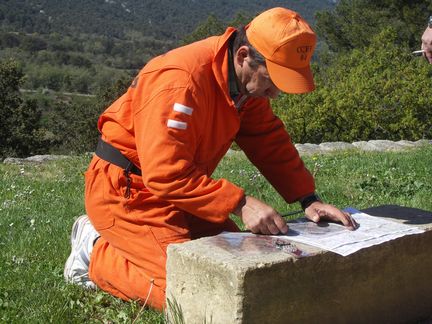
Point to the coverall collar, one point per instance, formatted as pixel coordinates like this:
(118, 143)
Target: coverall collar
(233, 86)
(223, 69)
(238, 98)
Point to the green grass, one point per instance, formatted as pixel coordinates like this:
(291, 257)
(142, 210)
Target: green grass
(349, 178)
(38, 204)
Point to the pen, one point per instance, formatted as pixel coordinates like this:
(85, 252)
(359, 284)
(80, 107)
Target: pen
(419, 52)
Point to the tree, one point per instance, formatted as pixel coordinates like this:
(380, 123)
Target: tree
(212, 26)
(353, 22)
(34, 44)
(9, 40)
(378, 92)
(74, 125)
(20, 131)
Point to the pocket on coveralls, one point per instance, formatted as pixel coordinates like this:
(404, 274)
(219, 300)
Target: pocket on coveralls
(97, 205)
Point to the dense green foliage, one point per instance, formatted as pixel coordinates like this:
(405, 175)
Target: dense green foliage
(378, 92)
(164, 19)
(74, 124)
(214, 26)
(352, 23)
(368, 85)
(20, 128)
(66, 126)
(40, 202)
(83, 45)
(79, 63)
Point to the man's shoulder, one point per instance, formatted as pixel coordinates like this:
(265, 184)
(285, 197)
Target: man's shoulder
(192, 57)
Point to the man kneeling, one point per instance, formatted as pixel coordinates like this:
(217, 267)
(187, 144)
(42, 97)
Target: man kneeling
(150, 184)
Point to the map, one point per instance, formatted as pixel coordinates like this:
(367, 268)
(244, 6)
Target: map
(336, 238)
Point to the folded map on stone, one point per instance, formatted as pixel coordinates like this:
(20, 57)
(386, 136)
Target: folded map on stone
(336, 238)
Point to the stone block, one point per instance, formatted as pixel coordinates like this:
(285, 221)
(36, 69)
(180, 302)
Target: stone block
(217, 281)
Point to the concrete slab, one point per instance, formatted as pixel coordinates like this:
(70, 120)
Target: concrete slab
(214, 280)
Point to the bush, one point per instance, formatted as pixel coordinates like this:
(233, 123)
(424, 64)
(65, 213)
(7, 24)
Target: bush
(352, 22)
(381, 92)
(20, 131)
(74, 125)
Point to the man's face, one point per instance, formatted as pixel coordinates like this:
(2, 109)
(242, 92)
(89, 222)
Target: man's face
(255, 80)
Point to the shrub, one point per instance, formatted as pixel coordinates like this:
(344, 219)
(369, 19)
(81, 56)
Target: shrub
(74, 125)
(352, 22)
(20, 130)
(381, 92)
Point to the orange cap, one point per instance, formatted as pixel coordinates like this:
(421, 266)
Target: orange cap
(287, 43)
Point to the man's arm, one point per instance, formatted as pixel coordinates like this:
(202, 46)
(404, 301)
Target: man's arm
(427, 41)
(169, 127)
(265, 141)
(267, 144)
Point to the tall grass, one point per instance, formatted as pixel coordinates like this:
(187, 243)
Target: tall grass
(38, 204)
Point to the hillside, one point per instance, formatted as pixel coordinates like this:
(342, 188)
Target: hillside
(74, 60)
(164, 19)
(85, 45)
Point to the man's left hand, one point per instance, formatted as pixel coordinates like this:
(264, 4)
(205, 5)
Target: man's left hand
(320, 211)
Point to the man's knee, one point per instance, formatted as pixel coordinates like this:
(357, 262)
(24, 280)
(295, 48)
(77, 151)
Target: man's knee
(111, 272)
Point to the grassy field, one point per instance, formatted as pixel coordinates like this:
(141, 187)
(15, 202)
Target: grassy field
(38, 204)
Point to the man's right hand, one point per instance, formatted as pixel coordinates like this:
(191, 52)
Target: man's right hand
(427, 44)
(259, 217)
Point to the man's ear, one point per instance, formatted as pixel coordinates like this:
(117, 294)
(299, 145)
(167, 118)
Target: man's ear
(241, 54)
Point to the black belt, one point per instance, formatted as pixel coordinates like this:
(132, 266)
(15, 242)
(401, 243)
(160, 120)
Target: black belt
(112, 155)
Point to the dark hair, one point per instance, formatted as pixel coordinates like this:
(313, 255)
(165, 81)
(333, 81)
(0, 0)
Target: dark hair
(240, 40)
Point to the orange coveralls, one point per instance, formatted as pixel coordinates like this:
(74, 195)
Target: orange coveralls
(176, 122)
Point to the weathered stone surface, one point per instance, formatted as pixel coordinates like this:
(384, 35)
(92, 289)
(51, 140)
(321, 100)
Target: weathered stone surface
(308, 148)
(34, 159)
(378, 145)
(336, 146)
(423, 142)
(406, 144)
(372, 145)
(218, 282)
(385, 145)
